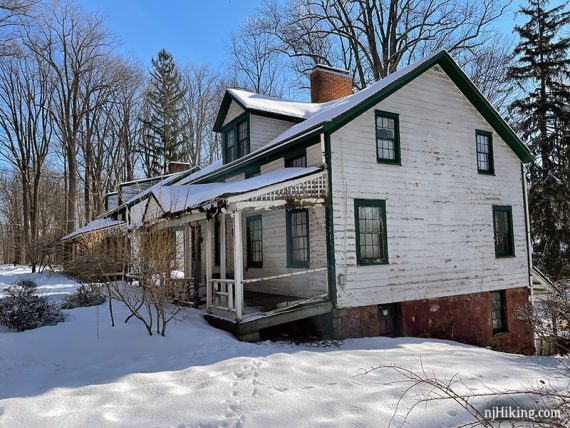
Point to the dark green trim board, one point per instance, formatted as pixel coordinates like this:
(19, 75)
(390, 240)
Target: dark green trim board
(527, 236)
(509, 210)
(291, 263)
(491, 154)
(248, 221)
(329, 216)
(374, 203)
(396, 118)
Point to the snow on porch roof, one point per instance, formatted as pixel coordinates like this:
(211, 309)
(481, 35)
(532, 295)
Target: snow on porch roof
(184, 197)
(97, 224)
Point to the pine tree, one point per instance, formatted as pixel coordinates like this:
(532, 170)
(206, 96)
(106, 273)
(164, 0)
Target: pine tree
(163, 134)
(542, 71)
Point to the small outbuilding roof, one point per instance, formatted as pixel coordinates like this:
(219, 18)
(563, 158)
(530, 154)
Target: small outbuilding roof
(96, 225)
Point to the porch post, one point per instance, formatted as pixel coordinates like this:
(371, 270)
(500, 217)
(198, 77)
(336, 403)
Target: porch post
(209, 285)
(238, 265)
(222, 238)
(187, 251)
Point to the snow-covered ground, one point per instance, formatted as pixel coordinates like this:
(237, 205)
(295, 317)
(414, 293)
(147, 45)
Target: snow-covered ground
(85, 373)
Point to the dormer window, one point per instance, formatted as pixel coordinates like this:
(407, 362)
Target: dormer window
(236, 138)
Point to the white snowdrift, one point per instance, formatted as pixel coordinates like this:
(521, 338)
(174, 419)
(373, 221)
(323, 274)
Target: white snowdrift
(85, 373)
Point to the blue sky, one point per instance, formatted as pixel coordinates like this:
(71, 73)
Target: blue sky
(194, 31)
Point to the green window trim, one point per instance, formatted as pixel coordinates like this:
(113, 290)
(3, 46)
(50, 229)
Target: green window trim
(380, 158)
(489, 169)
(241, 139)
(383, 233)
(504, 246)
(293, 261)
(254, 224)
(498, 311)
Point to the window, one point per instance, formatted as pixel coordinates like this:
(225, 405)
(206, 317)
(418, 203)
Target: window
(243, 138)
(387, 137)
(503, 228)
(498, 311)
(371, 236)
(252, 173)
(298, 238)
(484, 144)
(236, 138)
(231, 152)
(298, 161)
(254, 241)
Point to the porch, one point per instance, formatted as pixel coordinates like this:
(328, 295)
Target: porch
(260, 252)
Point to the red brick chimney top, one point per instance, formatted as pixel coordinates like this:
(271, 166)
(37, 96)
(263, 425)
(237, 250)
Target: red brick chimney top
(329, 83)
(174, 167)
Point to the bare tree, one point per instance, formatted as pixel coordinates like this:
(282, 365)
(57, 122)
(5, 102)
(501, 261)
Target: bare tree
(200, 105)
(373, 38)
(71, 44)
(13, 14)
(26, 132)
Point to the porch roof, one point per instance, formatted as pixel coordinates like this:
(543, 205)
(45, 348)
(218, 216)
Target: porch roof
(96, 225)
(184, 197)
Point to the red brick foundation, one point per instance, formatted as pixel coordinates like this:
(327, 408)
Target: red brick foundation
(464, 318)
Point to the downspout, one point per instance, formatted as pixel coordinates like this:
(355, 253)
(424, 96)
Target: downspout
(527, 232)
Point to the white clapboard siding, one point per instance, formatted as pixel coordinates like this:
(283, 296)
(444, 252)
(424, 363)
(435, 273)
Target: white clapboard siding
(275, 255)
(234, 111)
(439, 209)
(265, 129)
(272, 166)
(314, 155)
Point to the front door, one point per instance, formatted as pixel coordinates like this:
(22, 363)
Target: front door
(388, 319)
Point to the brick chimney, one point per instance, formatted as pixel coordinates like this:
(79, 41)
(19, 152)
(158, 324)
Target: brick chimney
(174, 167)
(328, 83)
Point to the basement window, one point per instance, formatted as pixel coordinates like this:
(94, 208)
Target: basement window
(498, 311)
(298, 238)
(387, 137)
(254, 241)
(371, 235)
(503, 230)
(484, 144)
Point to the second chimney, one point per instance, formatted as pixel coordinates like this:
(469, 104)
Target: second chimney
(328, 83)
(174, 167)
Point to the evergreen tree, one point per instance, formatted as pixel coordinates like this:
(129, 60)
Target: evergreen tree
(163, 135)
(542, 71)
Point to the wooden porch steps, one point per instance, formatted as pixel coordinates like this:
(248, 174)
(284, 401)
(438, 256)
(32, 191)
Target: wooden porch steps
(248, 328)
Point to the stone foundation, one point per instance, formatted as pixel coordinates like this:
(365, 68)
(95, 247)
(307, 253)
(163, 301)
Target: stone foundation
(464, 318)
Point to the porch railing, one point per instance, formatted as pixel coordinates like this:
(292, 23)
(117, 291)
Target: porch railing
(222, 294)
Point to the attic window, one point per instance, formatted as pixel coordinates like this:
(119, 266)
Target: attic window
(484, 152)
(387, 137)
(236, 138)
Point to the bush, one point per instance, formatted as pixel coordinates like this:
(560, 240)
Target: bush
(86, 295)
(23, 310)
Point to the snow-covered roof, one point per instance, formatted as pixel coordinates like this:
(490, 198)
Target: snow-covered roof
(182, 197)
(97, 224)
(334, 109)
(274, 105)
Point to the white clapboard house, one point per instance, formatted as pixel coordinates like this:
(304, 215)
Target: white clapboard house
(397, 210)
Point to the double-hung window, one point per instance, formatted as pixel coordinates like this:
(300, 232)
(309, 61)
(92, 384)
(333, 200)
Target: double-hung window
(236, 138)
(371, 236)
(387, 137)
(298, 238)
(503, 229)
(254, 241)
(484, 143)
